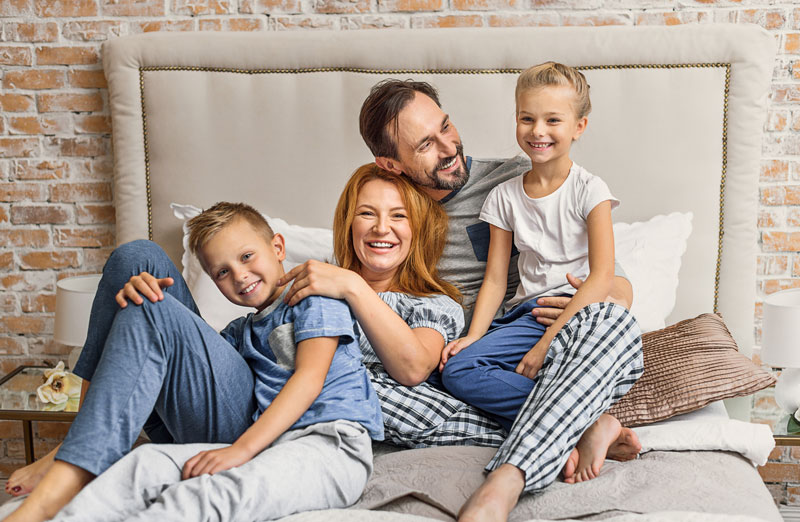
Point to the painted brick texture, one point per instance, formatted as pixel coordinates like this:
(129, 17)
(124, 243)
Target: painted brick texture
(56, 210)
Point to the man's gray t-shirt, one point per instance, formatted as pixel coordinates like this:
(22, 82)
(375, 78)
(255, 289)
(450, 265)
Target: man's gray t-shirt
(464, 260)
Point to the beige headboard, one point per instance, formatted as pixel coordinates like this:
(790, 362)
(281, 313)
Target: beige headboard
(271, 119)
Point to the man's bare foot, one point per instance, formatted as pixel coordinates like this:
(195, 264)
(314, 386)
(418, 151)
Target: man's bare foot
(23, 480)
(597, 443)
(59, 485)
(496, 497)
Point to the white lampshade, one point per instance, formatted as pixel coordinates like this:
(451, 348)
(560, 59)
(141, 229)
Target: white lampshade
(74, 296)
(780, 340)
(780, 344)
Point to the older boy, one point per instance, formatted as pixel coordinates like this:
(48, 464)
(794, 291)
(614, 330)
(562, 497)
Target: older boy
(315, 411)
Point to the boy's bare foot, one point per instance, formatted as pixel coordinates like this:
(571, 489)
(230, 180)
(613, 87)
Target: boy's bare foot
(496, 497)
(606, 437)
(59, 485)
(23, 480)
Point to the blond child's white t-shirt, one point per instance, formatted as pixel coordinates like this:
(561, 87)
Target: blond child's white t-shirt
(550, 232)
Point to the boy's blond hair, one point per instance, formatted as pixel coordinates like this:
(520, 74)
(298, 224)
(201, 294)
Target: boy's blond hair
(205, 225)
(556, 75)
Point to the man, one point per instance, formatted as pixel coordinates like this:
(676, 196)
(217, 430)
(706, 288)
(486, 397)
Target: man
(596, 357)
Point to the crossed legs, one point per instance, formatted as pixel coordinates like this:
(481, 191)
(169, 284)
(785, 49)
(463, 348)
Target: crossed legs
(594, 360)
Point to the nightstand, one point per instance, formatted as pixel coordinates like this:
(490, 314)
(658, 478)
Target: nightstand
(782, 436)
(18, 401)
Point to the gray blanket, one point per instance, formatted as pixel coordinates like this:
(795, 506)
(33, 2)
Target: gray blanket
(435, 482)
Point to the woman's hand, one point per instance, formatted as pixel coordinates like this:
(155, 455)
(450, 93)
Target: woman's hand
(453, 347)
(145, 285)
(214, 461)
(532, 362)
(317, 278)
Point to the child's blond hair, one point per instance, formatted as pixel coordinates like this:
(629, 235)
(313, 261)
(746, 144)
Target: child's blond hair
(205, 225)
(556, 75)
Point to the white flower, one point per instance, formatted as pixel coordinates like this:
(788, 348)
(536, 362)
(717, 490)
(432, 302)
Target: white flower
(797, 415)
(59, 387)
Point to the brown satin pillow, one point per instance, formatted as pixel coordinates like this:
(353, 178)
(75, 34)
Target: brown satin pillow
(686, 366)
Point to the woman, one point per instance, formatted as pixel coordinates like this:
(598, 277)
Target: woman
(406, 311)
(390, 233)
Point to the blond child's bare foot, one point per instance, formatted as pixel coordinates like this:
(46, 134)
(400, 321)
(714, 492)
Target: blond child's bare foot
(22, 481)
(496, 497)
(625, 447)
(594, 446)
(59, 485)
(571, 465)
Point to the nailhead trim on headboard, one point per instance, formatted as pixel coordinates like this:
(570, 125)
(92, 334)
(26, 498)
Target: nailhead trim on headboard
(727, 67)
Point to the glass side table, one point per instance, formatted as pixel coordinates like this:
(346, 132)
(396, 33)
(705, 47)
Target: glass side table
(783, 435)
(18, 401)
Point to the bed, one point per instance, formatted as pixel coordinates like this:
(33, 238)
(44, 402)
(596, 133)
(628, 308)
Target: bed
(271, 119)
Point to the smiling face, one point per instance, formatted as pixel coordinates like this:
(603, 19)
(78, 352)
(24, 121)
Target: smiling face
(243, 264)
(547, 124)
(381, 233)
(429, 149)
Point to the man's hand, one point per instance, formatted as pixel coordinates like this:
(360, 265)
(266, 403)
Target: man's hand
(453, 347)
(214, 461)
(551, 307)
(145, 285)
(532, 362)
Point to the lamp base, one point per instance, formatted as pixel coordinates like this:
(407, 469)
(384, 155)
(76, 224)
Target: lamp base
(787, 390)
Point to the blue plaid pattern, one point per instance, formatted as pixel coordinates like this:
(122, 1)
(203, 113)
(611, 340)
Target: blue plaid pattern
(594, 360)
(422, 415)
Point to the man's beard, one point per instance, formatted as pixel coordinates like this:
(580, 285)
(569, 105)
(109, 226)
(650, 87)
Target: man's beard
(454, 181)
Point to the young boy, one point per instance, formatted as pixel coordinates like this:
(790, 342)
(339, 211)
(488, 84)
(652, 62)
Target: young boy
(309, 446)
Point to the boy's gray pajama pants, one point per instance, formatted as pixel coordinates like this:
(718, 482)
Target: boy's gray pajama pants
(325, 465)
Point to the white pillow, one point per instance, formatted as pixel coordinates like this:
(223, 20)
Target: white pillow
(302, 244)
(650, 253)
(708, 428)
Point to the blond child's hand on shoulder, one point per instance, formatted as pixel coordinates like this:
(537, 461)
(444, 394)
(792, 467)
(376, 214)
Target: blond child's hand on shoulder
(532, 361)
(214, 461)
(453, 347)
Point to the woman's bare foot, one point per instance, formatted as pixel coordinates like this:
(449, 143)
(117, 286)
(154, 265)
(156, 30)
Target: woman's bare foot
(496, 497)
(59, 485)
(605, 438)
(23, 480)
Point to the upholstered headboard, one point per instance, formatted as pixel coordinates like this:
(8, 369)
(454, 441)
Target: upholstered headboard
(271, 119)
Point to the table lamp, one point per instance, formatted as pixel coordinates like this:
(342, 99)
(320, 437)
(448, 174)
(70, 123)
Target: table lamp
(74, 296)
(780, 345)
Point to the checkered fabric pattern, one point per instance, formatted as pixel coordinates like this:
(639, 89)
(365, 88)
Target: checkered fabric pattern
(422, 415)
(596, 359)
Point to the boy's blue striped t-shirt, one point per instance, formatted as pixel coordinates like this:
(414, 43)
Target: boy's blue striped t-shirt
(268, 342)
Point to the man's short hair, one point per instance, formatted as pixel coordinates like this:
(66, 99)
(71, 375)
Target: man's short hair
(385, 101)
(205, 225)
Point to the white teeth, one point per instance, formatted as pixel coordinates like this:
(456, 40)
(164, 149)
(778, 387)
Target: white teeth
(449, 163)
(380, 244)
(249, 288)
(541, 145)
